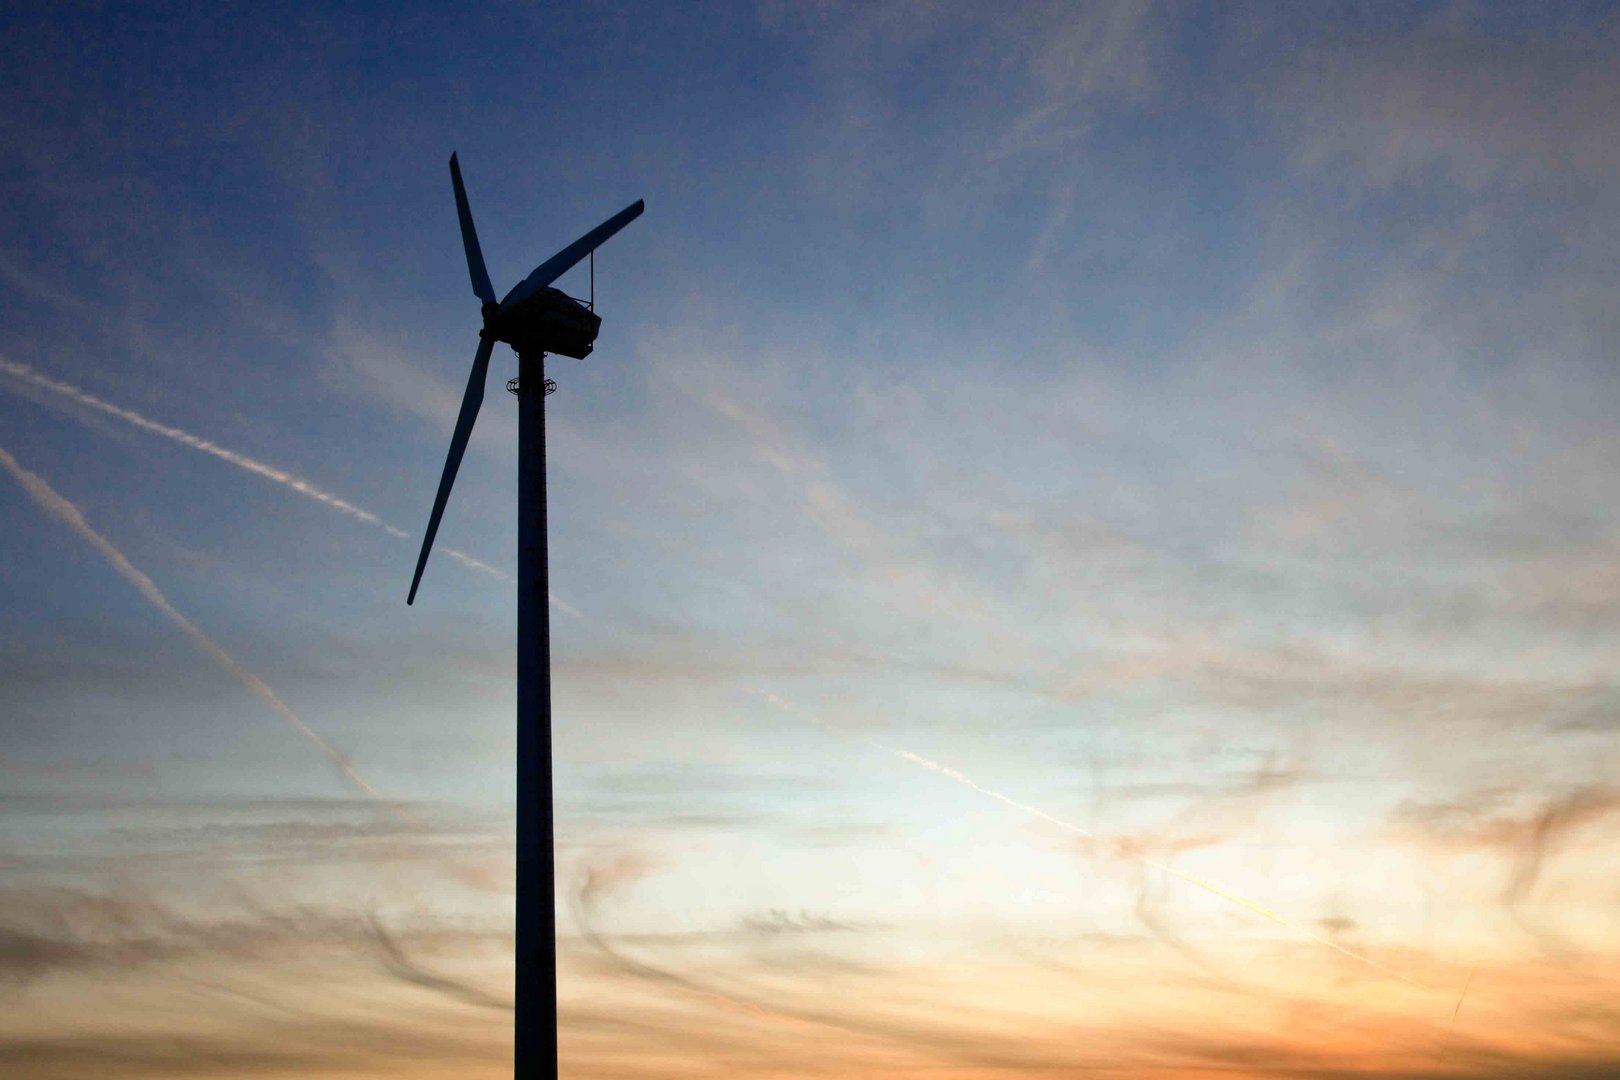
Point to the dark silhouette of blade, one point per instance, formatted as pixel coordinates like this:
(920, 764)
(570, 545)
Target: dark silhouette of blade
(470, 402)
(469, 238)
(559, 264)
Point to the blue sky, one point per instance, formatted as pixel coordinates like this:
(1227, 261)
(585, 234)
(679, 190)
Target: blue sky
(1195, 422)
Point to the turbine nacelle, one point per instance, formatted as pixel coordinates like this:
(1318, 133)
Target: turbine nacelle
(532, 318)
(549, 320)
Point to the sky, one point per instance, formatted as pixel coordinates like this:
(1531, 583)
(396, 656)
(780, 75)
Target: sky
(1089, 543)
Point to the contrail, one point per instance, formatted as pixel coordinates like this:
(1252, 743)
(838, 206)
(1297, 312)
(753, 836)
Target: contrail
(48, 500)
(242, 461)
(1069, 827)
(1451, 1029)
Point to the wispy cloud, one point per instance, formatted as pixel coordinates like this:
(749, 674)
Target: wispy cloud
(1081, 60)
(1495, 819)
(401, 966)
(1455, 100)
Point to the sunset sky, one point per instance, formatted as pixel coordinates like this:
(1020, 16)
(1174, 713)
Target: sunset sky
(1089, 543)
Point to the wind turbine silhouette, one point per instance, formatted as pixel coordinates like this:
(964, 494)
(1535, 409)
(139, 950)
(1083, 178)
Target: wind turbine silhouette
(534, 319)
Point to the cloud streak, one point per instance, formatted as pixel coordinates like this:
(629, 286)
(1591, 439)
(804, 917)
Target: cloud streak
(47, 499)
(282, 477)
(66, 930)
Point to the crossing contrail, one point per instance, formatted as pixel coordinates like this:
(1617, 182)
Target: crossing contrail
(290, 481)
(47, 499)
(1120, 849)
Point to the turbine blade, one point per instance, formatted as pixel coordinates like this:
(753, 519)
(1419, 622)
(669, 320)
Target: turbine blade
(458, 446)
(469, 238)
(559, 264)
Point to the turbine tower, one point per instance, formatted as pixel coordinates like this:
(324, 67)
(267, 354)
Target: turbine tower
(534, 319)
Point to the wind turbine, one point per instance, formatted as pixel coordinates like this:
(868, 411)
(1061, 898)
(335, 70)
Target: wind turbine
(534, 319)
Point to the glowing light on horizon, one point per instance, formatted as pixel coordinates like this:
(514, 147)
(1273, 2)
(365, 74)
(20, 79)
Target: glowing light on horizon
(1120, 849)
